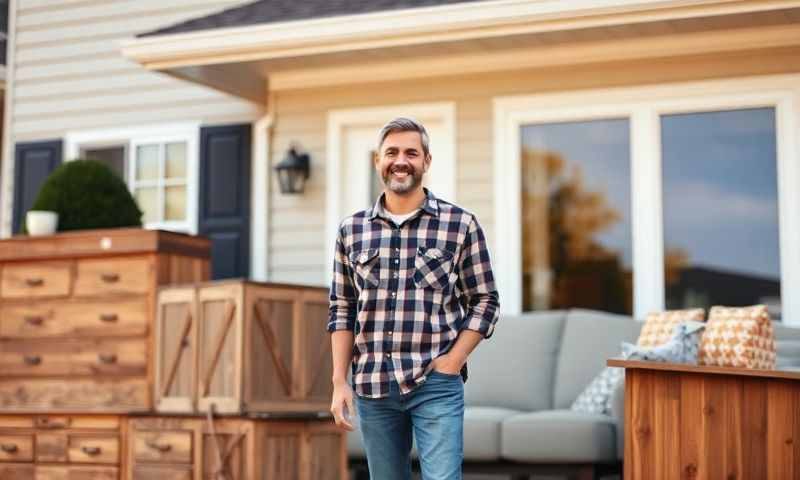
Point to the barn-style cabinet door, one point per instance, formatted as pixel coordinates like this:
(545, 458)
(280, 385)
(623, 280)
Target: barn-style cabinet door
(220, 311)
(176, 345)
(317, 388)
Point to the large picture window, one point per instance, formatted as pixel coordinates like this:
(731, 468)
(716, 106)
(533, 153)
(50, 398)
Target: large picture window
(159, 166)
(720, 188)
(642, 199)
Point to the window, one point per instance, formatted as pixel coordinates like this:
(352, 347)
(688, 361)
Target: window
(159, 166)
(576, 229)
(720, 189)
(710, 216)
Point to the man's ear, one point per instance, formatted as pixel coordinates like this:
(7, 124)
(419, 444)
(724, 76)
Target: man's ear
(427, 163)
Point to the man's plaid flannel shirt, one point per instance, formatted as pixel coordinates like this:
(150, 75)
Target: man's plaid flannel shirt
(407, 291)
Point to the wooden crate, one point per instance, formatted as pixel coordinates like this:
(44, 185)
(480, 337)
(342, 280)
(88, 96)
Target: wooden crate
(234, 448)
(77, 315)
(55, 447)
(243, 347)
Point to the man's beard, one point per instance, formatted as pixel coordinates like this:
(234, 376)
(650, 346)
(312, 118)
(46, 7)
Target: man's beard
(407, 184)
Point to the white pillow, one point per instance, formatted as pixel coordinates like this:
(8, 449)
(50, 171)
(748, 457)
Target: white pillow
(596, 397)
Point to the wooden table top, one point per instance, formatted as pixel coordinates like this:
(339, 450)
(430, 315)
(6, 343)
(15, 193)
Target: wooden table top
(680, 367)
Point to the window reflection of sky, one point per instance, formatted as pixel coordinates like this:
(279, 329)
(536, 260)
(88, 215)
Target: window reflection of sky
(720, 189)
(601, 150)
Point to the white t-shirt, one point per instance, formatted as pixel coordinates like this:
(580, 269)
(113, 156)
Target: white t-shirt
(399, 219)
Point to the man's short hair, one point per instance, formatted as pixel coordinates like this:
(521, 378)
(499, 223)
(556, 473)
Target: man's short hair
(405, 124)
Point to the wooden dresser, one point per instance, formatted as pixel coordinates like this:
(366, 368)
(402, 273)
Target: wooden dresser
(77, 315)
(56, 447)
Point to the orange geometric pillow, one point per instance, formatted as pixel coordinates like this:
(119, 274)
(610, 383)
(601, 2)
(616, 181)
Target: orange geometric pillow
(738, 337)
(658, 326)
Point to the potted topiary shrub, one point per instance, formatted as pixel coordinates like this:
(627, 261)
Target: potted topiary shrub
(87, 194)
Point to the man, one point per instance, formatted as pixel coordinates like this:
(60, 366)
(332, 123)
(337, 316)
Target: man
(411, 297)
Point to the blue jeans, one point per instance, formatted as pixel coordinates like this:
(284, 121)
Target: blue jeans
(434, 412)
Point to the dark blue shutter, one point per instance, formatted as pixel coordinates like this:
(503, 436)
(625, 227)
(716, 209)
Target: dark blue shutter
(33, 162)
(224, 214)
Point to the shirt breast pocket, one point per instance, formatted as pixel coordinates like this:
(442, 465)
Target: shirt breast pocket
(366, 266)
(432, 268)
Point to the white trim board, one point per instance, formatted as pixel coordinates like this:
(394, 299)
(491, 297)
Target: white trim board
(338, 120)
(643, 106)
(130, 136)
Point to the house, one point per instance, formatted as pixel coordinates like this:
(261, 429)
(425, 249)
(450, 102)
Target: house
(609, 148)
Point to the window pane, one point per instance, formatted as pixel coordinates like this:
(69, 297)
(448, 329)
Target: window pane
(146, 162)
(175, 208)
(721, 209)
(576, 240)
(114, 157)
(176, 160)
(147, 198)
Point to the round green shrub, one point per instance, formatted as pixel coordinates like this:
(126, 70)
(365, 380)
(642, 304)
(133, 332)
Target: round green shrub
(88, 194)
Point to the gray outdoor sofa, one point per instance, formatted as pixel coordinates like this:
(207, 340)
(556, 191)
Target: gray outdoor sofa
(522, 382)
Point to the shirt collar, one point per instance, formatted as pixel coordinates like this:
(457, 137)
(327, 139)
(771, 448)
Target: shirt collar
(430, 205)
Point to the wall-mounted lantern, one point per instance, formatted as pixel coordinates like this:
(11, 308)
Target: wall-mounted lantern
(293, 171)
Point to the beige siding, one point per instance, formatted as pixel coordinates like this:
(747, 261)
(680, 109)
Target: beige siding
(297, 226)
(69, 75)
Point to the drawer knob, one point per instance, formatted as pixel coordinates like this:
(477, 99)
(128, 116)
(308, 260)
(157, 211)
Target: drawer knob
(107, 358)
(34, 320)
(108, 317)
(32, 359)
(9, 447)
(163, 448)
(34, 282)
(110, 277)
(52, 423)
(90, 450)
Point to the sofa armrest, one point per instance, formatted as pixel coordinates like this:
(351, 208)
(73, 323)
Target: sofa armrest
(618, 414)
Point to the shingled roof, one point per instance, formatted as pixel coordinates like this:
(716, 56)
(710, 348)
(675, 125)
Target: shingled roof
(272, 11)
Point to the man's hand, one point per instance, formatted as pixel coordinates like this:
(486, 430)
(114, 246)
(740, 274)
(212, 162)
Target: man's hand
(342, 405)
(449, 363)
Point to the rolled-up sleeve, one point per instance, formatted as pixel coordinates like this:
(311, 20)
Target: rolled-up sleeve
(343, 297)
(476, 282)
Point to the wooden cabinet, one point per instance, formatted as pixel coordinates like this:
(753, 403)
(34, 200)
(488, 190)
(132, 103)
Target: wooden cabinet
(77, 315)
(234, 448)
(243, 347)
(56, 447)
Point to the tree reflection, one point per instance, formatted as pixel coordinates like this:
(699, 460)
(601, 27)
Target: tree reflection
(564, 263)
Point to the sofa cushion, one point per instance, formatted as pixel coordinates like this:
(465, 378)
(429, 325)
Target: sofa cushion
(590, 338)
(482, 432)
(559, 436)
(514, 369)
(596, 398)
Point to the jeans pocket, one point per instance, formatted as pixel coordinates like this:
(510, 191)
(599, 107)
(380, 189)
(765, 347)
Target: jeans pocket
(450, 376)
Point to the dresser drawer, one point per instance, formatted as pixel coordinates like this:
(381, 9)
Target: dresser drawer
(74, 318)
(161, 473)
(162, 446)
(17, 472)
(36, 279)
(63, 472)
(74, 357)
(104, 276)
(16, 448)
(51, 447)
(85, 448)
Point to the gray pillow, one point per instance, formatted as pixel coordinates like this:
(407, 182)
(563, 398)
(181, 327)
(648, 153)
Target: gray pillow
(681, 348)
(596, 398)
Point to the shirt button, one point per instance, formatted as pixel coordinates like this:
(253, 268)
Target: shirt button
(397, 250)
(396, 275)
(389, 355)
(390, 333)
(397, 261)
(394, 294)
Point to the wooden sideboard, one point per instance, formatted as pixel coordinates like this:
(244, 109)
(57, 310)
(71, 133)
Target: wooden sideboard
(243, 346)
(76, 316)
(700, 422)
(190, 447)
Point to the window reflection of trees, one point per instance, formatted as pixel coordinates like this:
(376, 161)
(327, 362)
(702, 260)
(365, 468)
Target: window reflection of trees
(564, 263)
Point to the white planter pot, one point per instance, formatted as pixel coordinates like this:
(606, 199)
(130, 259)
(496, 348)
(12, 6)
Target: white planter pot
(41, 222)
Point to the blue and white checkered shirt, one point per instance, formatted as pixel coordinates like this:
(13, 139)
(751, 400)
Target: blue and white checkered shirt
(406, 291)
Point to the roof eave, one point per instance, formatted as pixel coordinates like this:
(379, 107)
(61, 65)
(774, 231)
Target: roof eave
(415, 26)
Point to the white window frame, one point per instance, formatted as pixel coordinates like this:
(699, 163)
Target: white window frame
(644, 106)
(338, 120)
(130, 138)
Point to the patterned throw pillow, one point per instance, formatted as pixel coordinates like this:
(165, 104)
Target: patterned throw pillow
(659, 326)
(683, 347)
(738, 337)
(596, 398)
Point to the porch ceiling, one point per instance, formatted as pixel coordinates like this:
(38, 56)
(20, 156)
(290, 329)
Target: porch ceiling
(251, 74)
